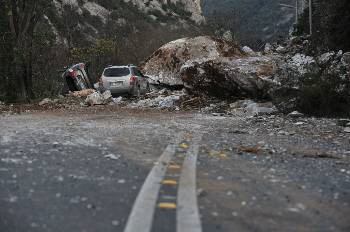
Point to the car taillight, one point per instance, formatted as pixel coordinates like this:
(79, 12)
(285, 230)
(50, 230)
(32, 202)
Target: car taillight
(72, 73)
(132, 80)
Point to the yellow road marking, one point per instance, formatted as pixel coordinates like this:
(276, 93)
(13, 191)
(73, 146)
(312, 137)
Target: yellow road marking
(167, 205)
(223, 155)
(173, 166)
(169, 182)
(184, 145)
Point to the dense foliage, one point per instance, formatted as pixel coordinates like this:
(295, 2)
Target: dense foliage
(331, 20)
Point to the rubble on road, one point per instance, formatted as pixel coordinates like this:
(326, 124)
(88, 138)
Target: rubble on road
(295, 114)
(248, 50)
(163, 99)
(343, 122)
(252, 108)
(160, 102)
(213, 73)
(45, 101)
(82, 93)
(97, 98)
(208, 66)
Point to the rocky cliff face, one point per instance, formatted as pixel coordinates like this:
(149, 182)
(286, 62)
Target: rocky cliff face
(74, 21)
(166, 6)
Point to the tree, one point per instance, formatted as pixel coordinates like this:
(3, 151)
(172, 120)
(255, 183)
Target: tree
(22, 17)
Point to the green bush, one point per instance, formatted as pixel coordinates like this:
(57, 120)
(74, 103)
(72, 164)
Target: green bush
(326, 94)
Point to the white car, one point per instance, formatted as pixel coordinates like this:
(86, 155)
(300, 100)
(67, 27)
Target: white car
(124, 80)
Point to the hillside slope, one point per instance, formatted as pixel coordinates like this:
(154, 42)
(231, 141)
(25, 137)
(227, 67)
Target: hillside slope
(252, 20)
(75, 20)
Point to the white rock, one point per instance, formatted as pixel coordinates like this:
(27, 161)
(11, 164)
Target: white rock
(160, 102)
(347, 129)
(248, 50)
(303, 63)
(325, 58)
(268, 48)
(295, 114)
(281, 49)
(112, 156)
(45, 102)
(118, 100)
(97, 98)
(115, 223)
(228, 36)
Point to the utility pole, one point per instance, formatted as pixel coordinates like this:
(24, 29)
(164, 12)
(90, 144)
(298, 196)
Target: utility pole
(296, 11)
(310, 16)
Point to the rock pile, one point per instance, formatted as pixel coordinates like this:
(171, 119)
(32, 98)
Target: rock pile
(220, 68)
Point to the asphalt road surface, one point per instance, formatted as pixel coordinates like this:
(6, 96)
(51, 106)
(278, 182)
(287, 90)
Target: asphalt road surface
(142, 171)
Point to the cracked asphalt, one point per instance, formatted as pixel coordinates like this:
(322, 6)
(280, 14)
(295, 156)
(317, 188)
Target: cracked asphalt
(82, 171)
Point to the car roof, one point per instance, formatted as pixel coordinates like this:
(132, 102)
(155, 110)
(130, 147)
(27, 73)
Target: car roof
(124, 66)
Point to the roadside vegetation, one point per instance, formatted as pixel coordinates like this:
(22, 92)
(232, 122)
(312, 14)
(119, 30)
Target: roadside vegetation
(32, 58)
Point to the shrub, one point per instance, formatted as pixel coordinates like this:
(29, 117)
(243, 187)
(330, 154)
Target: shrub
(325, 94)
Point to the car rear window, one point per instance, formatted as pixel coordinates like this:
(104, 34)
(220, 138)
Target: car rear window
(116, 72)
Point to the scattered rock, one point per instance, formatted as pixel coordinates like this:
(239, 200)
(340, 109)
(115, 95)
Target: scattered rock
(248, 50)
(347, 129)
(268, 48)
(83, 93)
(325, 58)
(228, 36)
(303, 64)
(115, 223)
(112, 156)
(281, 49)
(164, 92)
(254, 109)
(295, 114)
(121, 181)
(96, 98)
(118, 100)
(346, 59)
(161, 102)
(343, 122)
(45, 102)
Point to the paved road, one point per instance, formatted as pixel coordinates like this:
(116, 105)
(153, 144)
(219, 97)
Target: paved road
(118, 170)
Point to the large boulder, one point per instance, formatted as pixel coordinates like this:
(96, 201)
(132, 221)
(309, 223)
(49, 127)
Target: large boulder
(164, 65)
(213, 67)
(249, 76)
